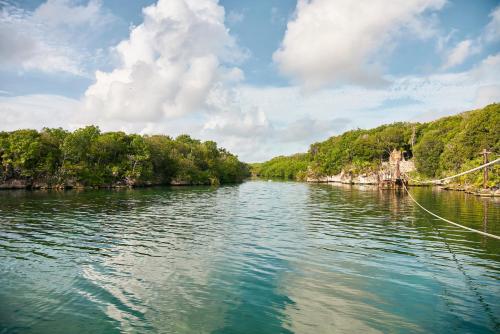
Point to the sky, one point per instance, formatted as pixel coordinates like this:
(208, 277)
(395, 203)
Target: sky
(260, 77)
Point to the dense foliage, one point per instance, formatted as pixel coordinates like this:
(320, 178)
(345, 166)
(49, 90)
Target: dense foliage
(439, 148)
(89, 157)
(292, 167)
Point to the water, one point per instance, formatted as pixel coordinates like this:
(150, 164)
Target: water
(260, 257)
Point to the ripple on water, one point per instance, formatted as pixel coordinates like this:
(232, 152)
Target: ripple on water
(260, 257)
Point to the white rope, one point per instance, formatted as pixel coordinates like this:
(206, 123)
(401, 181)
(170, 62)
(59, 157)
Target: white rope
(457, 175)
(449, 221)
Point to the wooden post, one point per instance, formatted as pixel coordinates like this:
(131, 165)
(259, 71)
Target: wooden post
(485, 154)
(413, 136)
(398, 171)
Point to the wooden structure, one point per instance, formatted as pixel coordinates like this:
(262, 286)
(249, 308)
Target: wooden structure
(392, 178)
(485, 154)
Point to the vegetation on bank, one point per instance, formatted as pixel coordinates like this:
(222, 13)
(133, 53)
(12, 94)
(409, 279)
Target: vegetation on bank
(439, 148)
(292, 167)
(89, 157)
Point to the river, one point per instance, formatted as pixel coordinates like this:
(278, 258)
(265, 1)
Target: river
(258, 257)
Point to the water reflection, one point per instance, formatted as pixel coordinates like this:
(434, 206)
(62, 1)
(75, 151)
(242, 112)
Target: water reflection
(258, 257)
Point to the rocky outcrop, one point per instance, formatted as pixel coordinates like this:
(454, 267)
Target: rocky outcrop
(469, 189)
(14, 184)
(386, 171)
(346, 178)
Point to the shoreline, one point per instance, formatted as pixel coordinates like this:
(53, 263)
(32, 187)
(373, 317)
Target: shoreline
(30, 186)
(465, 189)
(24, 185)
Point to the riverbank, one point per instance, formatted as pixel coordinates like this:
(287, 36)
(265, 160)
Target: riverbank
(431, 150)
(494, 192)
(374, 179)
(89, 158)
(21, 184)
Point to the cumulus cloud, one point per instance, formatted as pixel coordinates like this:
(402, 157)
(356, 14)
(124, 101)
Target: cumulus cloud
(178, 72)
(258, 123)
(239, 124)
(44, 39)
(169, 64)
(341, 41)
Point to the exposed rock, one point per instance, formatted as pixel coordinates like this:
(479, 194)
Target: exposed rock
(180, 183)
(346, 178)
(387, 171)
(15, 184)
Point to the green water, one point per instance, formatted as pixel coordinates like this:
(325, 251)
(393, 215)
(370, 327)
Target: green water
(260, 257)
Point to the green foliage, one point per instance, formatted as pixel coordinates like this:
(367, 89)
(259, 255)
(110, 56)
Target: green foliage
(428, 152)
(359, 150)
(292, 167)
(439, 148)
(450, 143)
(21, 151)
(89, 157)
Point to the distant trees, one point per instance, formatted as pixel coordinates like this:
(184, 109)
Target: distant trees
(428, 152)
(89, 157)
(439, 148)
(291, 167)
(359, 150)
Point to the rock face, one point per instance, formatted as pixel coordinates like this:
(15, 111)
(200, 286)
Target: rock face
(14, 184)
(387, 171)
(346, 178)
(180, 183)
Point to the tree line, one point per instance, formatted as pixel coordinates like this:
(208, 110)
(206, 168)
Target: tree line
(89, 157)
(438, 148)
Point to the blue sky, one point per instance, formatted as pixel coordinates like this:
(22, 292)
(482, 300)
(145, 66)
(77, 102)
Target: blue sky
(261, 77)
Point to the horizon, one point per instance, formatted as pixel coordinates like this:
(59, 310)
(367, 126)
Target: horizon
(257, 78)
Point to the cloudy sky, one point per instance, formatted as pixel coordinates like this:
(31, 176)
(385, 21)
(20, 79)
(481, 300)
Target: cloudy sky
(260, 77)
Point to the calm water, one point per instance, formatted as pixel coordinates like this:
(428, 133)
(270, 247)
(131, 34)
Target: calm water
(260, 257)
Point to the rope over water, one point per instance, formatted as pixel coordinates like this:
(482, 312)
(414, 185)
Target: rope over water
(449, 221)
(447, 178)
(456, 175)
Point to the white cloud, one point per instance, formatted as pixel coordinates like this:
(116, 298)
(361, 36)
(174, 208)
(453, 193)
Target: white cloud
(169, 64)
(469, 47)
(258, 123)
(70, 14)
(487, 94)
(307, 130)
(37, 111)
(239, 124)
(460, 53)
(342, 41)
(177, 74)
(46, 39)
(492, 30)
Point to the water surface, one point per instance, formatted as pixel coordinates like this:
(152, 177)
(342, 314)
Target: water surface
(260, 257)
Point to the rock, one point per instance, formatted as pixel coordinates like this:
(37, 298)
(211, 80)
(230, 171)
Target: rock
(15, 184)
(180, 183)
